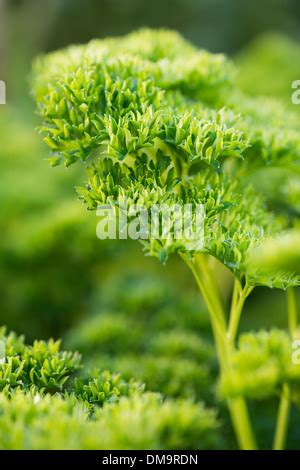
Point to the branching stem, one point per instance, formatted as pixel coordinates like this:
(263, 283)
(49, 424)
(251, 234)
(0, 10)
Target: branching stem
(239, 297)
(210, 292)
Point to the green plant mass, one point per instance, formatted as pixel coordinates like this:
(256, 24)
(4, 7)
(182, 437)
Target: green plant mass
(49, 401)
(152, 119)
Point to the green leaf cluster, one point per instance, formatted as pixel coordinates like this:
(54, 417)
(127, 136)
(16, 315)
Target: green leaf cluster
(155, 119)
(41, 407)
(41, 365)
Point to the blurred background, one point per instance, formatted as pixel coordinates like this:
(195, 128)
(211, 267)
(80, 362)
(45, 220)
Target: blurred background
(28, 27)
(124, 311)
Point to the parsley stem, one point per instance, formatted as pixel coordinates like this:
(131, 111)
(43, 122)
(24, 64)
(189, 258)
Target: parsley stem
(236, 311)
(209, 291)
(241, 423)
(285, 401)
(282, 419)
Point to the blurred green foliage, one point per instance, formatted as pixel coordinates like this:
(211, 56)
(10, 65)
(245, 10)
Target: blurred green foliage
(45, 246)
(42, 408)
(261, 365)
(139, 328)
(134, 423)
(269, 66)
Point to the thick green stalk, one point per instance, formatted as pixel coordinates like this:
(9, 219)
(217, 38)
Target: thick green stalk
(209, 291)
(235, 295)
(213, 305)
(241, 423)
(282, 419)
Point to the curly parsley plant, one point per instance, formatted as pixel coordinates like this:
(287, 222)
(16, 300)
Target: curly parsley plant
(155, 120)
